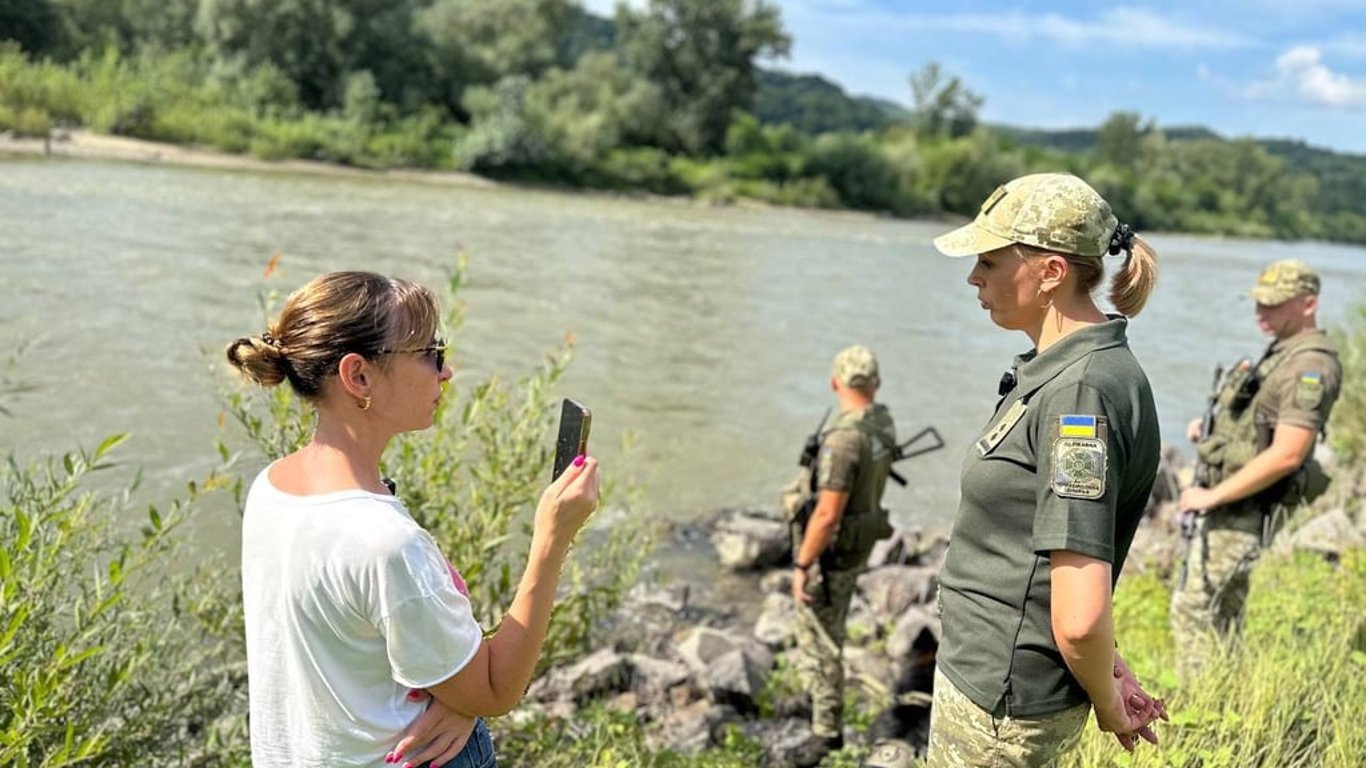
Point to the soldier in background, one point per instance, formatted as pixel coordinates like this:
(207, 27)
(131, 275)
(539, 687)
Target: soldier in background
(831, 548)
(1257, 461)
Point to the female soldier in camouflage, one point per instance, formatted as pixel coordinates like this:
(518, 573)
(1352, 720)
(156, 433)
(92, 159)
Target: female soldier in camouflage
(1052, 490)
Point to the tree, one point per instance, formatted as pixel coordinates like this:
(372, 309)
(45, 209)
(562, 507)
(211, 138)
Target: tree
(34, 24)
(480, 42)
(943, 105)
(319, 43)
(701, 54)
(1120, 140)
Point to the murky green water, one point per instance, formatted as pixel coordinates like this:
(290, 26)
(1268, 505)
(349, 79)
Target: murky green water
(706, 332)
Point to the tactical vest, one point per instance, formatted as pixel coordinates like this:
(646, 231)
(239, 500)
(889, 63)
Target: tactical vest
(864, 520)
(1242, 429)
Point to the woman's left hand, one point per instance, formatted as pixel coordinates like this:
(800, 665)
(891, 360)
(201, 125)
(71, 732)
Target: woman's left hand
(1140, 703)
(440, 732)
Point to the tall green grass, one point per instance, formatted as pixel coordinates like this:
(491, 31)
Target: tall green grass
(1291, 694)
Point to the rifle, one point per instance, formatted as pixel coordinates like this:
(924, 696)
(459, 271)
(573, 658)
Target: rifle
(812, 446)
(901, 452)
(1201, 478)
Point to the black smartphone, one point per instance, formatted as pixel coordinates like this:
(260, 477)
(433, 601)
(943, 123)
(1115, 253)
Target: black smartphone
(572, 440)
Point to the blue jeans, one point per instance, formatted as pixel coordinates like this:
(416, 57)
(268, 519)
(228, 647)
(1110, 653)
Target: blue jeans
(478, 751)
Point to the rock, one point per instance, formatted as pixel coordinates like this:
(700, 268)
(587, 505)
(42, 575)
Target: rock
(775, 626)
(789, 743)
(736, 678)
(653, 678)
(777, 580)
(699, 646)
(892, 589)
(624, 702)
(895, 549)
(688, 730)
(673, 600)
(747, 539)
(732, 669)
(931, 549)
(1330, 534)
(600, 674)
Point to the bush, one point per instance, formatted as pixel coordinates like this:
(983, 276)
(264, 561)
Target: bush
(83, 679)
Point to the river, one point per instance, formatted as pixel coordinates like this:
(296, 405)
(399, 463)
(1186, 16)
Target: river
(705, 332)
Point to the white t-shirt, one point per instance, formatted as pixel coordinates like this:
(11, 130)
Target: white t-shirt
(348, 604)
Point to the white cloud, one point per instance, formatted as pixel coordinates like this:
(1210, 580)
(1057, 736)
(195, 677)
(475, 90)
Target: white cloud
(1300, 73)
(1303, 67)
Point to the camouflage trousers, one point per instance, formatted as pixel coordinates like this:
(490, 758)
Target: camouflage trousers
(1211, 593)
(963, 735)
(820, 648)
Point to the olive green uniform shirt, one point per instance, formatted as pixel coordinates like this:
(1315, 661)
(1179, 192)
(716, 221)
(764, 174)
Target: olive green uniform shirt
(1072, 471)
(856, 457)
(1299, 391)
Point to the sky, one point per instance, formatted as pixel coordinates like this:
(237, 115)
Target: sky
(1265, 68)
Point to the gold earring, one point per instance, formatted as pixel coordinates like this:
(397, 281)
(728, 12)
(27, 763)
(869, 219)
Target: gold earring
(364, 405)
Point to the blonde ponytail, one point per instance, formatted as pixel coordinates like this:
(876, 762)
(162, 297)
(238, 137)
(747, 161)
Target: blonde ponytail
(1132, 284)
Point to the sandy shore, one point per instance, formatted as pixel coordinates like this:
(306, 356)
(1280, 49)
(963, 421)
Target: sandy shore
(84, 144)
(81, 143)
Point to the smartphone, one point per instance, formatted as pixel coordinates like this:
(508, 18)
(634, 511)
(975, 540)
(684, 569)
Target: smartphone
(572, 440)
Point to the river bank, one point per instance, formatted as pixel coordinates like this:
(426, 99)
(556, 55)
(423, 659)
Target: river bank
(84, 144)
(89, 145)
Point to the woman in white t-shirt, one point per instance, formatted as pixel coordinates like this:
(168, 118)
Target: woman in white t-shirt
(351, 610)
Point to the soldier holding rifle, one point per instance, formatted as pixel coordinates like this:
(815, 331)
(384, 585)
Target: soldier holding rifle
(1255, 459)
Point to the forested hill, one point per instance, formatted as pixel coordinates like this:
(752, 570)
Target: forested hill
(815, 105)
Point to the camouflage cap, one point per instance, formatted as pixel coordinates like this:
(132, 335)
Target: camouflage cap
(856, 366)
(1283, 280)
(1053, 211)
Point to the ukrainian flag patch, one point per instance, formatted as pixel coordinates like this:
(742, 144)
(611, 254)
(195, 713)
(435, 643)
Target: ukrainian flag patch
(1309, 390)
(1075, 425)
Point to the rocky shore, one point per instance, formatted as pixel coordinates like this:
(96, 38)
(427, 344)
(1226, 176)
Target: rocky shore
(691, 671)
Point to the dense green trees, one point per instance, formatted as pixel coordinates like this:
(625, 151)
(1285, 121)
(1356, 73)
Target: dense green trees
(700, 53)
(666, 97)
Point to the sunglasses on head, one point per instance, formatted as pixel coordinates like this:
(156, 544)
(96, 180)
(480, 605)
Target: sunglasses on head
(436, 352)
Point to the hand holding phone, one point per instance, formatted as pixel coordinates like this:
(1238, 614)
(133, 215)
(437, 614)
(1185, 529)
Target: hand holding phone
(572, 439)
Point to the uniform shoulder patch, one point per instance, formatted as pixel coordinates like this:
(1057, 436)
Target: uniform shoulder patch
(988, 442)
(1080, 457)
(825, 466)
(1309, 390)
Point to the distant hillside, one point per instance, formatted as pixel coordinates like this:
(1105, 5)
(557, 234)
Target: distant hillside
(1341, 177)
(1078, 140)
(814, 105)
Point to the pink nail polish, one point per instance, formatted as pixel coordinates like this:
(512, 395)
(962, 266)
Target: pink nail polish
(389, 757)
(578, 460)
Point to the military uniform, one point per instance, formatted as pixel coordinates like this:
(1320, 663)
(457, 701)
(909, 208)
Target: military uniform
(1067, 462)
(1295, 383)
(855, 457)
